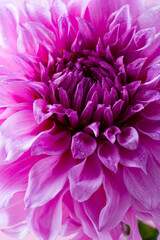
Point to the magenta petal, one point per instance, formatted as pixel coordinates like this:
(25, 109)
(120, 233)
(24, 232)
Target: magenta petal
(19, 172)
(153, 76)
(111, 132)
(16, 137)
(87, 30)
(134, 158)
(57, 10)
(150, 18)
(49, 144)
(41, 33)
(150, 111)
(117, 198)
(46, 179)
(10, 215)
(26, 42)
(119, 17)
(88, 227)
(145, 187)
(37, 13)
(152, 146)
(108, 153)
(128, 138)
(130, 219)
(19, 231)
(46, 220)
(83, 145)
(40, 110)
(144, 37)
(9, 18)
(85, 178)
(93, 129)
(151, 128)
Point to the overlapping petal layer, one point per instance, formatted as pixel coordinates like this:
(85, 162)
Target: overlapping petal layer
(79, 118)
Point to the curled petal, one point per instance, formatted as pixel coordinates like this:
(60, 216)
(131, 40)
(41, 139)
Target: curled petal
(49, 144)
(40, 110)
(108, 153)
(128, 138)
(83, 145)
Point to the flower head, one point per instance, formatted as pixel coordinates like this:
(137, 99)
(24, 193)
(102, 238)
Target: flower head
(80, 119)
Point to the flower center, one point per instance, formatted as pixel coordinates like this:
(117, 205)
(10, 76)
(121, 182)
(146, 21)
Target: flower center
(91, 89)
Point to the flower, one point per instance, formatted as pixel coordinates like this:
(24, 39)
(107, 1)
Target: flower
(80, 119)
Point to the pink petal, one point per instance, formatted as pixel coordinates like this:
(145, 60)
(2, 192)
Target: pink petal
(19, 231)
(116, 198)
(19, 172)
(144, 187)
(9, 18)
(88, 227)
(40, 110)
(134, 159)
(149, 18)
(150, 111)
(119, 17)
(26, 41)
(108, 153)
(46, 220)
(41, 33)
(128, 138)
(85, 178)
(57, 10)
(10, 214)
(49, 144)
(83, 145)
(46, 179)
(130, 219)
(151, 128)
(18, 133)
(37, 13)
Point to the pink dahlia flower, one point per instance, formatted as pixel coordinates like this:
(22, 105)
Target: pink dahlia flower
(80, 118)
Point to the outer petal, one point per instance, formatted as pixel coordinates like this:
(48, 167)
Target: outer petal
(46, 220)
(87, 224)
(150, 128)
(85, 178)
(37, 13)
(10, 214)
(49, 144)
(144, 187)
(9, 18)
(26, 41)
(116, 198)
(130, 219)
(134, 158)
(99, 11)
(150, 19)
(19, 231)
(17, 133)
(19, 173)
(46, 179)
